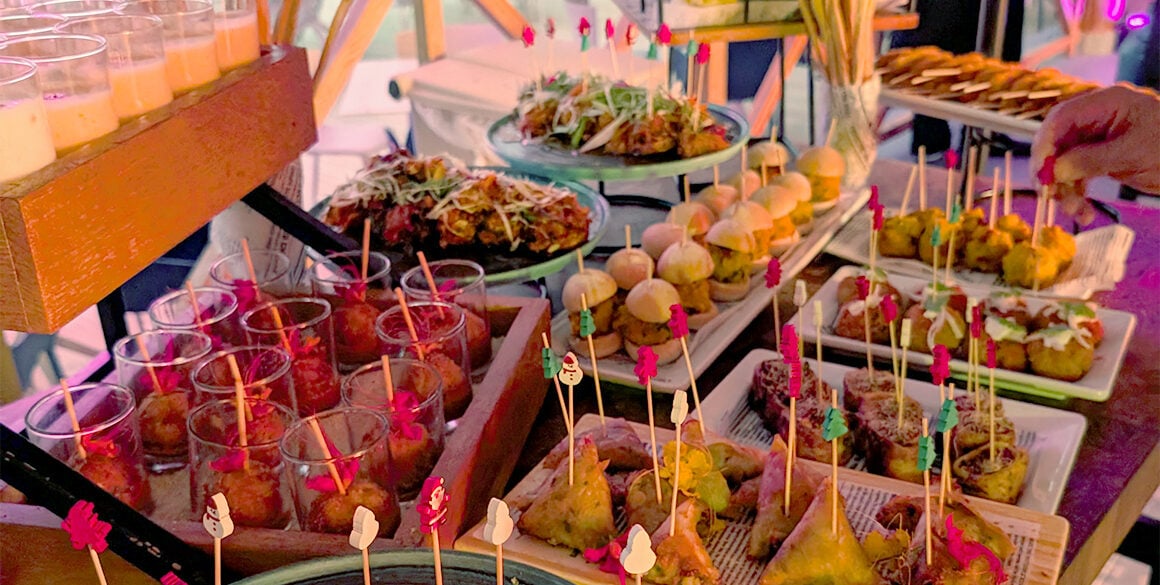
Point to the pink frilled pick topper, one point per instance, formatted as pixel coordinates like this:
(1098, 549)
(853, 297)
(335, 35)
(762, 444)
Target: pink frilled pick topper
(940, 369)
(873, 198)
(773, 272)
(703, 54)
(863, 285)
(432, 506)
(992, 355)
(609, 30)
(879, 218)
(607, 557)
(952, 159)
(664, 35)
(965, 552)
(889, 309)
(679, 322)
(171, 579)
(84, 528)
(646, 364)
(551, 28)
(529, 36)
(585, 27)
(1046, 174)
(976, 322)
(792, 358)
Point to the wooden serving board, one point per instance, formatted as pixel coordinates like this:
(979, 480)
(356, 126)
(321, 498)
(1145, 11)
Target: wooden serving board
(476, 463)
(1040, 556)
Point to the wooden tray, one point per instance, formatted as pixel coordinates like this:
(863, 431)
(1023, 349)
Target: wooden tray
(1043, 563)
(476, 463)
(74, 231)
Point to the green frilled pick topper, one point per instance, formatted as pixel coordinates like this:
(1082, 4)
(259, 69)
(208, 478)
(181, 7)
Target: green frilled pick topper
(834, 426)
(948, 416)
(925, 453)
(587, 323)
(551, 362)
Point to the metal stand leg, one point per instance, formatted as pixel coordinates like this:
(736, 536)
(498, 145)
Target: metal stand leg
(810, 91)
(295, 221)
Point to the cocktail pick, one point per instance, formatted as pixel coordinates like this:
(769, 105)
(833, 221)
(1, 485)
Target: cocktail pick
(585, 29)
(363, 532)
(587, 329)
(702, 69)
(833, 428)
(799, 300)
(529, 39)
(406, 309)
(193, 304)
(388, 379)
(646, 370)
(975, 322)
(817, 344)
(571, 375)
(550, 32)
(610, 36)
(66, 392)
(497, 530)
(430, 278)
(902, 209)
(948, 417)
(889, 314)
(863, 285)
(679, 325)
(146, 359)
(86, 530)
(952, 160)
(904, 341)
(935, 241)
(638, 557)
(993, 215)
(320, 438)
(789, 354)
(552, 367)
(630, 34)
(240, 409)
(972, 161)
(940, 367)
(250, 267)
(992, 363)
(665, 39)
(690, 73)
(1007, 184)
(432, 508)
(365, 257)
(219, 524)
(921, 178)
(925, 460)
(677, 417)
(773, 282)
(955, 215)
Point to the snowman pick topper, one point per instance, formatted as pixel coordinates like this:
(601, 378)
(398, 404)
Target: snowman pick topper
(497, 530)
(571, 375)
(638, 557)
(362, 534)
(219, 524)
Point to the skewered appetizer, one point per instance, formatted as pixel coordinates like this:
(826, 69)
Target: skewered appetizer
(986, 249)
(657, 238)
(811, 416)
(999, 478)
(1061, 352)
(694, 216)
(688, 266)
(1075, 314)
(797, 184)
(732, 248)
(824, 167)
(745, 182)
(771, 156)
(780, 203)
(577, 516)
(717, 197)
(899, 236)
(628, 267)
(1030, 266)
(890, 448)
(600, 291)
(333, 512)
(111, 471)
(644, 319)
(936, 322)
(1008, 304)
(762, 226)
(859, 385)
(773, 523)
(768, 393)
(851, 321)
(1059, 242)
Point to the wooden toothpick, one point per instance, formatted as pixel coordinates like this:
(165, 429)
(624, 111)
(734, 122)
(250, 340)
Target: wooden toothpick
(388, 381)
(193, 304)
(366, 248)
(330, 467)
(921, 178)
(595, 367)
(419, 350)
(145, 358)
(72, 418)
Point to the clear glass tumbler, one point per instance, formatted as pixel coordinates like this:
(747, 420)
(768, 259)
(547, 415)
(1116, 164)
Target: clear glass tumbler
(357, 302)
(136, 60)
(271, 268)
(442, 342)
(236, 27)
(75, 8)
(304, 328)
(190, 45)
(415, 415)
(20, 25)
(460, 282)
(216, 314)
(265, 374)
(27, 144)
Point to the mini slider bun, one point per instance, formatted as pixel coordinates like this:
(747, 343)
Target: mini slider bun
(745, 182)
(657, 237)
(649, 301)
(730, 235)
(696, 216)
(597, 287)
(757, 220)
(780, 203)
(799, 185)
(824, 167)
(773, 154)
(717, 197)
(684, 264)
(629, 266)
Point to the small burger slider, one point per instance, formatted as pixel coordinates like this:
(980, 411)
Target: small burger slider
(628, 267)
(600, 291)
(731, 247)
(824, 167)
(799, 185)
(780, 203)
(657, 238)
(695, 216)
(769, 157)
(759, 223)
(644, 319)
(687, 266)
(717, 197)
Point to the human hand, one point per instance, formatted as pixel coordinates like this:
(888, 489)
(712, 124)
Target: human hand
(1108, 132)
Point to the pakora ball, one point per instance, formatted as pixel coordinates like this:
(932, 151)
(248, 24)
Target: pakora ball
(899, 236)
(946, 328)
(315, 383)
(1013, 224)
(478, 339)
(120, 478)
(456, 386)
(848, 289)
(334, 512)
(1059, 242)
(1060, 353)
(970, 221)
(1030, 266)
(927, 217)
(255, 496)
(1008, 304)
(851, 322)
(354, 332)
(1009, 338)
(986, 248)
(947, 229)
(163, 415)
(1072, 313)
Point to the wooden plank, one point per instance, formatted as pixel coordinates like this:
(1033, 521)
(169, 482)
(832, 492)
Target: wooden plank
(718, 74)
(36, 550)
(769, 92)
(429, 26)
(504, 16)
(1043, 566)
(76, 230)
(348, 48)
(735, 33)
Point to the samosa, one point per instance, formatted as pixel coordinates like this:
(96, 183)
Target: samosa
(682, 558)
(773, 525)
(577, 515)
(814, 554)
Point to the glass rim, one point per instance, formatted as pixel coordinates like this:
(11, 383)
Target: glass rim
(183, 293)
(424, 291)
(58, 394)
(39, 7)
(348, 382)
(223, 388)
(202, 7)
(279, 271)
(123, 345)
(154, 21)
(461, 323)
(29, 64)
(266, 306)
(342, 410)
(293, 418)
(101, 46)
(356, 254)
(32, 31)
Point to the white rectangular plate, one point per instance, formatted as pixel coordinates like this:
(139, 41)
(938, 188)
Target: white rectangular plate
(1051, 436)
(710, 341)
(1098, 265)
(1096, 385)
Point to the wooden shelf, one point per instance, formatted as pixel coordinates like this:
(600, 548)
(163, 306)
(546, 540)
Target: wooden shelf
(75, 231)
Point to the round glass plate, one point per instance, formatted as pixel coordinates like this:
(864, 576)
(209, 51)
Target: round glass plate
(404, 567)
(504, 268)
(553, 160)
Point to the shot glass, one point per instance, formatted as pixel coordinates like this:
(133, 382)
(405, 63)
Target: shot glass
(215, 314)
(190, 46)
(28, 140)
(21, 25)
(106, 448)
(415, 416)
(156, 367)
(460, 282)
(271, 268)
(136, 60)
(343, 466)
(304, 328)
(74, 82)
(442, 343)
(235, 24)
(71, 9)
(252, 477)
(357, 302)
(265, 374)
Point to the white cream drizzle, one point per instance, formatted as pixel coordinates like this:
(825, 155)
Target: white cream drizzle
(1058, 337)
(1001, 329)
